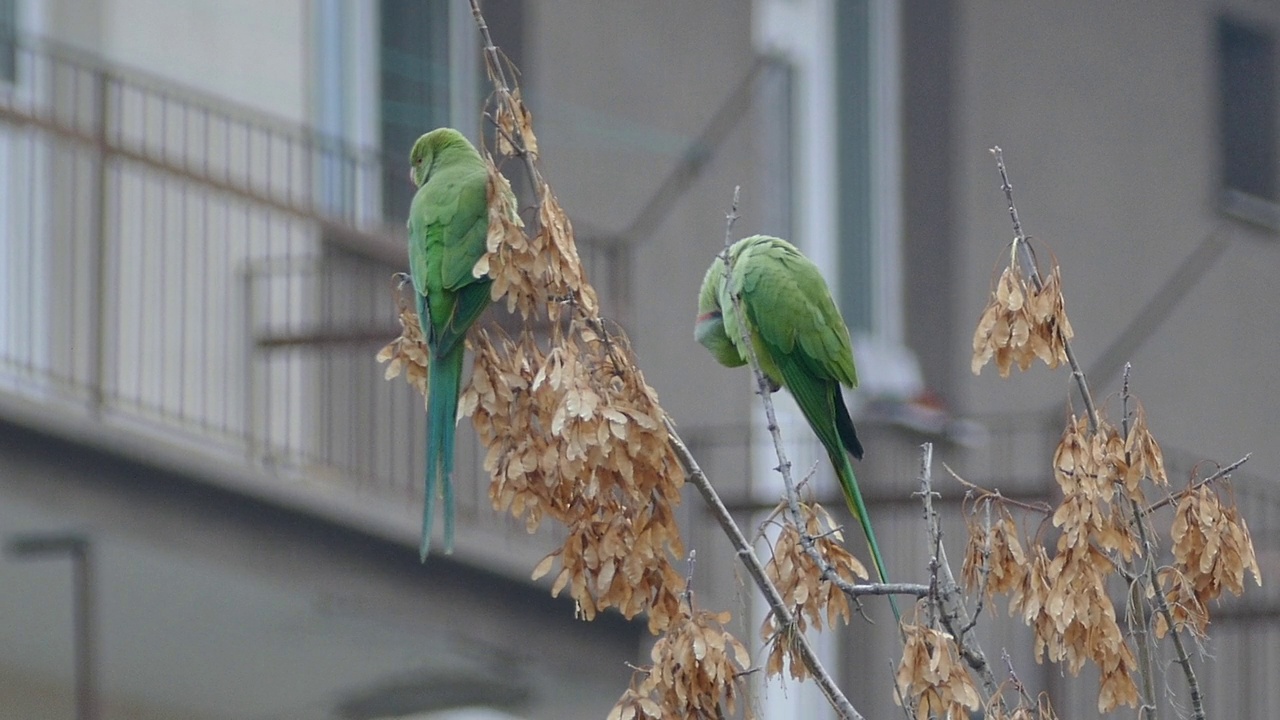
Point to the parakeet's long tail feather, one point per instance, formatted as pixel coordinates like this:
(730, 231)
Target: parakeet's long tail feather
(853, 496)
(444, 379)
(824, 408)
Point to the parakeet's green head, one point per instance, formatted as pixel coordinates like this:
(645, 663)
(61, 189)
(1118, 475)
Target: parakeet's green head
(430, 148)
(709, 295)
(709, 329)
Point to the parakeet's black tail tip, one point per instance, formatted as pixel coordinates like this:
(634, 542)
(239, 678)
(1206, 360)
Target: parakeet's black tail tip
(851, 442)
(844, 428)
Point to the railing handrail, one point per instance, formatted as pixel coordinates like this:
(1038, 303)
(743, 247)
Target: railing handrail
(215, 104)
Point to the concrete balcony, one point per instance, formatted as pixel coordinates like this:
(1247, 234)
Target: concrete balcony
(204, 288)
(191, 298)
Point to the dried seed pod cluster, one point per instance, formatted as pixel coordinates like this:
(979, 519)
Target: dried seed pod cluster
(695, 670)
(932, 677)
(540, 274)
(994, 561)
(1064, 597)
(1021, 323)
(805, 590)
(1102, 519)
(408, 353)
(1104, 476)
(1038, 708)
(1212, 551)
(598, 462)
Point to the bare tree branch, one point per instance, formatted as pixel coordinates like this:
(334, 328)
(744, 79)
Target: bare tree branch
(1020, 244)
(955, 616)
(1138, 515)
(747, 555)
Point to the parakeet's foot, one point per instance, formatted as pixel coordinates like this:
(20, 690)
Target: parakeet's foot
(402, 279)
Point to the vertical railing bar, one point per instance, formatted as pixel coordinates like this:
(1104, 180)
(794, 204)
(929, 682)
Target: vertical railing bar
(162, 272)
(185, 270)
(202, 338)
(62, 304)
(112, 287)
(32, 228)
(140, 247)
(226, 139)
(370, 462)
(250, 382)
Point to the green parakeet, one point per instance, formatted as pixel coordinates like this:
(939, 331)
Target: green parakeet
(448, 222)
(800, 340)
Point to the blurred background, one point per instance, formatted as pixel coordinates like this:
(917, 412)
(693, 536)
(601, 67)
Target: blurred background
(210, 498)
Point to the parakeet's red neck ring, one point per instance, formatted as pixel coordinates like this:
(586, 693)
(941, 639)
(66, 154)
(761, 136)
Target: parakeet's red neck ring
(713, 315)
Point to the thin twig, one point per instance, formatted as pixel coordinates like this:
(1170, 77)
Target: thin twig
(1221, 473)
(747, 555)
(498, 77)
(765, 390)
(1043, 507)
(730, 218)
(1184, 658)
(984, 573)
(1020, 241)
(1138, 588)
(1013, 677)
(1152, 580)
(955, 616)
(688, 579)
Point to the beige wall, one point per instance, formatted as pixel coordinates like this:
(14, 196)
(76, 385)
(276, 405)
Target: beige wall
(249, 53)
(244, 51)
(1107, 117)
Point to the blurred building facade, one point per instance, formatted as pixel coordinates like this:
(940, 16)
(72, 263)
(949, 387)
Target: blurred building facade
(201, 207)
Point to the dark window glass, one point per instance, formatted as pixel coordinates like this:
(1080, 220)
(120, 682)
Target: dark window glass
(853, 79)
(414, 61)
(1247, 112)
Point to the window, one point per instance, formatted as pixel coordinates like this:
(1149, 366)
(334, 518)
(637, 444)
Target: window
(776, 100)
(1247, 121)
(415, 87)
(386, 72)
(868, 166)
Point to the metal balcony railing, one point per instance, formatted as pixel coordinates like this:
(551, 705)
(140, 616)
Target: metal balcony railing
(208, 277)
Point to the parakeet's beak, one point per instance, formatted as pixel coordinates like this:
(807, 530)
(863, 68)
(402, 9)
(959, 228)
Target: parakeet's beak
(412, 179)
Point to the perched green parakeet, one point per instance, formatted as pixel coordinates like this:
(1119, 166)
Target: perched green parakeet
(448, 222)
(800, 340)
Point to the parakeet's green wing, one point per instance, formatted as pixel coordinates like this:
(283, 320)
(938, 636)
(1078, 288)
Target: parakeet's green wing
(457, 227)
(798, 331)
(790, 307)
